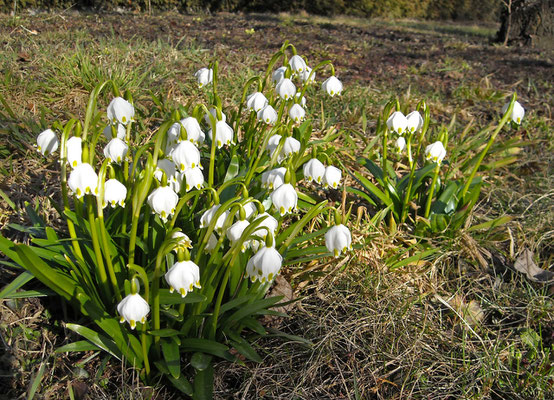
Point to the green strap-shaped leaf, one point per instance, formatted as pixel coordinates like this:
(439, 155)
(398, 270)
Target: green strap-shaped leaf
(99, 340)
(182, 384)
(250, 309)
(172, 357)
(80, 345)
(204, 384)
(16, 284)
(175, 298)
(372, 189)
(207, 346)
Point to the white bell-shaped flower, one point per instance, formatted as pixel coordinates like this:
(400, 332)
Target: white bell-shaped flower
(273, 143)
(397, 122)
(267, 115)
(415, 121)
(204, 76)
(332, 86)
(115, 193)
(116, 150)
(120, 111)
(297, 113)
(163, 201)
(264, 265)
(291, 146)
(74, 151)
(517, 112)
(278, 75)
(209, 215)
(332, 177)
(194, 132)
(185, 156)
(435, 152)
(256, 101)
(274, 178)
(249, 209)
(400, 144)
(133, 308)
(167, 166)
(268, 222)
(285, 89)
(184, 241)
(194, 178)
(284, 198)
(223, 134)
(235, 232)
(338, 239)
(307, 76)
(47, 142)
(83, 180)
(183, 276)
(314, 171)
(297, 64)
(120, 131)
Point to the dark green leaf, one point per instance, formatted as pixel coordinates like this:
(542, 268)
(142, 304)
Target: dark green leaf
(200, 361)
(172, 357)
(81, 345)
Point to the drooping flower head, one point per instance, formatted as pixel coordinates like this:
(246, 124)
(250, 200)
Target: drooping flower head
(332, 86)
(183, 276)
(209, 215)
(297, 113)
(314, 171)
(267, 115)
(397, 122)
(47, 142)
(120, 111)
(278, 75)
(115, 193)
(193, 130)
(435, 152)
(264, 265)
(415, 121)
(185, 156)
(133, 308)
(256, 101)
(116, 150)
(184, 241)
(517, 112)
(338, 239)
(163, 201)
(332, 177)
(74, 151)
(223, 134)
(194, 178)
(286, 89)
(285, 198)
(83, 180)
(297, 64)
(235, 232)
(274, 178)
(204, 76)
(400, 144)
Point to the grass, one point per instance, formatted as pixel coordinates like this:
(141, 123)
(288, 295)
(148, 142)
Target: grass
(459, 324)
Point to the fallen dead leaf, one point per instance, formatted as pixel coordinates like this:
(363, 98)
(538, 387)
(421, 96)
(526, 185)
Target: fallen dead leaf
(525, 264)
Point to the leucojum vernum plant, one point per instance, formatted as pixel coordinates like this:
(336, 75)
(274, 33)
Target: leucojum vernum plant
(174, 238)
(418, 196)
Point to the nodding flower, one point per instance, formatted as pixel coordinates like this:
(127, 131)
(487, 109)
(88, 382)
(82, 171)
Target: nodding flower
(163, 201)
(517, 112)
(332, 86)
(183, 276)
(286, 89)
(47, 142)
(204, 76)
(264, 265)
(435, 152)
(115, 193)
(338, 239)
(83, 180)
(120, 111)
(397, 122)
(285, 198)
(133, 308)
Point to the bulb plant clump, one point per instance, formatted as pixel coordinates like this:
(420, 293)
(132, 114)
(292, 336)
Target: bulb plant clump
(202, 216)
(431, 194)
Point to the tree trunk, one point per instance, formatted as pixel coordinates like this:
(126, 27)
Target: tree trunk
(527, 22)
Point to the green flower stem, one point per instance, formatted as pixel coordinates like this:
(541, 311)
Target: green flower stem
(145, 232)
(384, 159)
(404, 213)
(409, 149)
(156, 294)
(432, 190)
(145, 349)
(223, 287)
(97, 251)
(260, 153)
(503, 121)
